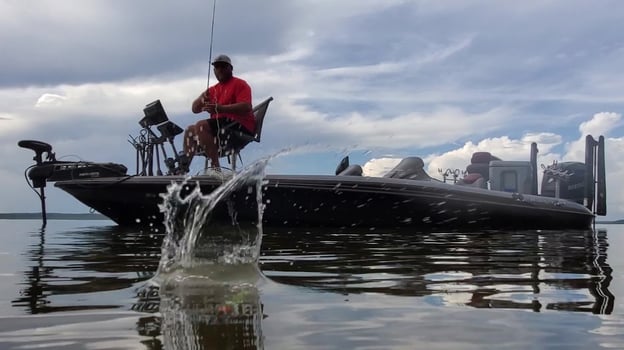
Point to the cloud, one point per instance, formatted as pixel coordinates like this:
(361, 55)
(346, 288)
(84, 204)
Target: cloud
(600, 124)
(438, 79)
(53, 43)
(50, 100)
(377, 167)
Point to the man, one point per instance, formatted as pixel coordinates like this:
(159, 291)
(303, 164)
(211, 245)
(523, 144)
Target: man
(229, 103)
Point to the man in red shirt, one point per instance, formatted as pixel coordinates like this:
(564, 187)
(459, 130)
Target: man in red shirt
(227, 102)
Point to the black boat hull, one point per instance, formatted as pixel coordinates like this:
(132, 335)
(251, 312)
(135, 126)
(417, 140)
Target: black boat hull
(340, 201)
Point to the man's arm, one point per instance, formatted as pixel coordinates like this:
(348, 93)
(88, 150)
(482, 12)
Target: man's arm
(242, 106)
(200, 102)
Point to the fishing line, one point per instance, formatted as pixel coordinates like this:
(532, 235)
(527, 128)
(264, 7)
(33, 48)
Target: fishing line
(214, 8)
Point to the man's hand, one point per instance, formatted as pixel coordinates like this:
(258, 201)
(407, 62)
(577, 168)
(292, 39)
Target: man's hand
(205, 98)
(211, 108)
(200, 103)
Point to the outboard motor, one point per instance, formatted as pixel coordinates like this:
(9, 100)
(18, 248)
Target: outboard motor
(409, 168)
(565, 180)
(584, 183)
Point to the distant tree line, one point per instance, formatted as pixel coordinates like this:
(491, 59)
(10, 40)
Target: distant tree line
(53, 216)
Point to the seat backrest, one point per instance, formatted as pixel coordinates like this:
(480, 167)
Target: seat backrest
(259, 112)
(482, 169)
(237, 140)
(482, 157)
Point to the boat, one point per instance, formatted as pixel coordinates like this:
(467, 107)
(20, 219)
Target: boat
(491, 194)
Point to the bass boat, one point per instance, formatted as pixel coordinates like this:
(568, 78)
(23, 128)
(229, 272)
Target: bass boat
(491, 194)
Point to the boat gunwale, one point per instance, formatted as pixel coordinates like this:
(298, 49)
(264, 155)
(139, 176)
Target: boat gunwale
(390, 186)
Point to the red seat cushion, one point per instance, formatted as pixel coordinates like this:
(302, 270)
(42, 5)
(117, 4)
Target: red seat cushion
(471, 178)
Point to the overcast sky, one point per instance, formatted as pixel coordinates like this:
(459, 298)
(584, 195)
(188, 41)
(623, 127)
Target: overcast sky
(377, 80)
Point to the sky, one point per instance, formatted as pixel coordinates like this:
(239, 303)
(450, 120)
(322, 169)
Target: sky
(375, 80)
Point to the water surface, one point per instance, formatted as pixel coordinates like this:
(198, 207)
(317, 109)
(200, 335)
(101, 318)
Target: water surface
(88, 284)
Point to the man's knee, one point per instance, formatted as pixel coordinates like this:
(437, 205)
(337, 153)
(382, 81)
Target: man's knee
(202, 126)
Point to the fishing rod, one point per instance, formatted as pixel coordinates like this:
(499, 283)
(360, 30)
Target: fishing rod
(214, 8)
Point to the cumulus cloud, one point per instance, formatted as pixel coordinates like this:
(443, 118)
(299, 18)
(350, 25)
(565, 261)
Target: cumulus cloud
(392, 78)
(379, 166)
(600, 124)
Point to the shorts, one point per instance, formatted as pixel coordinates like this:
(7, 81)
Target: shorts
(226, 123)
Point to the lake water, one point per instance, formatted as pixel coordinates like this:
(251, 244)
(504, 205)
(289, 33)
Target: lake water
(88, 285)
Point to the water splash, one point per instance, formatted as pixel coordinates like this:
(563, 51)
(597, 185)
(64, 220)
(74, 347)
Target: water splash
(194, 239)
(207, 279)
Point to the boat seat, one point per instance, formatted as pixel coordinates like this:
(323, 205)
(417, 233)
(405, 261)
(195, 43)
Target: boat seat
(409, 168)
(482, 157)
(231, 142)
(352, 170)
(346, 169)
(478, 171)
(482, 169)
(480, 164)
(473, 180)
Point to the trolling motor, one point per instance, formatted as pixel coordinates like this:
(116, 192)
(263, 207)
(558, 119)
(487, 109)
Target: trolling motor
(39, 175)
(51, 169)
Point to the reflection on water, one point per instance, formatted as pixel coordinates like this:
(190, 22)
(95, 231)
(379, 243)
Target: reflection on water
(212, 307)
(193, 310)
(111, 268)
(85, 261)
(525, 270)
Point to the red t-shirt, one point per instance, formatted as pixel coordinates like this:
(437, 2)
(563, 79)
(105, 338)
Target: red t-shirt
(234, 90)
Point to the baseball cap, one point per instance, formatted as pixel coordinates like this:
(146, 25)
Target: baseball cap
(222, 58)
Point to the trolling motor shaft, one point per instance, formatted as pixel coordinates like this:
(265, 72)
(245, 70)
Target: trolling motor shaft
(37, 174)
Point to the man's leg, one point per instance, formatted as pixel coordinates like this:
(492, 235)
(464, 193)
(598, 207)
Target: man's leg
(189, 146)
(208, 141)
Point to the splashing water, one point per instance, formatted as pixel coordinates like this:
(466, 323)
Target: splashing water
(192, 239)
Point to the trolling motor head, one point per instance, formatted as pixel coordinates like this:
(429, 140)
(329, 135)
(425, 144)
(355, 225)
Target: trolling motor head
(39, 147)
(38, 174)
